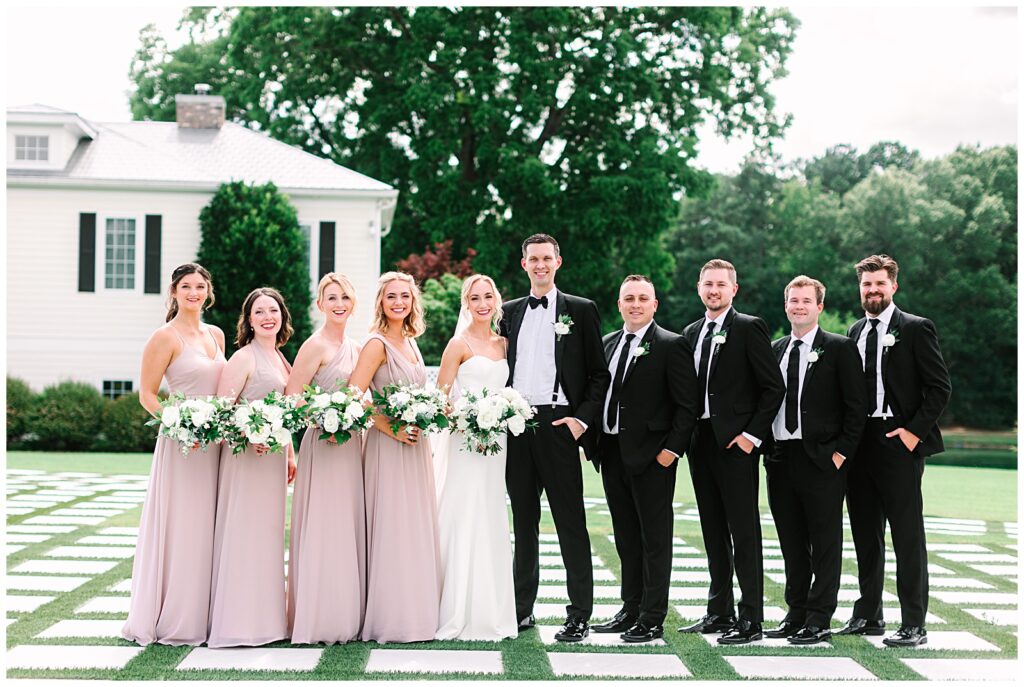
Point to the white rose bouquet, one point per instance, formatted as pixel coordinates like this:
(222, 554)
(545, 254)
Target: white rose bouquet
(484, 417)
(269, 421)
(192, 421)
(338, 415)
(409, 405)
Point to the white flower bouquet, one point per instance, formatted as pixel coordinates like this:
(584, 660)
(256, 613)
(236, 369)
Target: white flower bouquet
(269, 421)
(409, 405)
(338, 415)
(192, 422)
(484, 418)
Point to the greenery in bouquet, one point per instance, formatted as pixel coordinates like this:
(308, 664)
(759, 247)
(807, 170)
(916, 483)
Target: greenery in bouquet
(338, 415)
(485, 416)
(192, 422)
(409, 405)
(269, 421)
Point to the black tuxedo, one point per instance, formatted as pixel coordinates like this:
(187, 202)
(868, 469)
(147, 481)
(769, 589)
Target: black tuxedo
(548, 459)
(657, 409)
(745, 389)
(885, 479)
(805, 489)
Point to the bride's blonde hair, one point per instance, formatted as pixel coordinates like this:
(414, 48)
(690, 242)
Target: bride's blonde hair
(467, 286)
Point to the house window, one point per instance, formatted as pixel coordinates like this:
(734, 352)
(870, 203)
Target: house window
(119, 259)
(112, 388)
(307, 250)
(32, 148)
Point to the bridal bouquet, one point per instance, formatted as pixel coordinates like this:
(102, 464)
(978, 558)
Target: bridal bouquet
(269, 421)
(192, 421)
(485, 416)
(340, 414)
(408, 404)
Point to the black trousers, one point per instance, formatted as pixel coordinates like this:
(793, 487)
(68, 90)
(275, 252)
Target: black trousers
(725, 484)
(641, 509)
(548, 460)
(885, 484)
(807, 506)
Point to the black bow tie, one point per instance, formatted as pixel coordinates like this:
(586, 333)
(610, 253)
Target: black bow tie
(542, 301)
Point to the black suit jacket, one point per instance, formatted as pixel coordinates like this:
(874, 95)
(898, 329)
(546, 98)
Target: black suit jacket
(915, 378)
(833, 399)
(579, 359)
(658, 402)
(745, 386)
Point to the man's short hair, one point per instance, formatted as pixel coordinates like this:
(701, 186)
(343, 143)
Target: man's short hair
(541, 238)
(719, 264)
(637, 277)
(802, 281)
(874, 263)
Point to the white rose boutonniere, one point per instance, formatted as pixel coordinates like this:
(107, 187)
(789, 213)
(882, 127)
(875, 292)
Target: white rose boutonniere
(719, 338)
(891, 338)
(814, 355)
(642, 350)
(563, 326)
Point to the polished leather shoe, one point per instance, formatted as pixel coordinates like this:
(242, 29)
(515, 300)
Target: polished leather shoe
(810, 635)
(620, 623)
(907, 636)
(642, 632)
(787, 628)
(574, 630)
(711, 623)
(527, 622)
(860, 626)
(743, 632)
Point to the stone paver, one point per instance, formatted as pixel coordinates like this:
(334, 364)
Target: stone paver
(955, 582)
(434, 661)
(980, 557)
(1007, 571)
(84, 628)
(26, 604)
(45, 583)
(559, 575)
(106, 604)
(49, 656)
(800, 667)
(110, 540)
(557, 611)
(70, 567)
(16, 538)
(46, 529)
(122, 586)
(971, 669)
(251, 658)
(996, 616)
(91, 552)
(975, 598)
(617, 665)
(81, 521)
(134, 531)
(547, 635)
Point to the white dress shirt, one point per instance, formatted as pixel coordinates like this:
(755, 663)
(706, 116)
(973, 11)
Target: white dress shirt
(534, 376)
(719, 321)
(779, 426)
(613, 365)
(883, 318)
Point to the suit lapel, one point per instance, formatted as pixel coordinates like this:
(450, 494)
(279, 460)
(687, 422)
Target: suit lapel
(857, 327)
(561, 308)
(609, 348)
(718, 349)
(812, 366)
(648, 338)
(780, 347)
(895, 326)
(516, 322)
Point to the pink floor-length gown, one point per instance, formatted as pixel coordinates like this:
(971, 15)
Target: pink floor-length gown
(403, 558)
(170, 602)
(327, 549)
(247, 596)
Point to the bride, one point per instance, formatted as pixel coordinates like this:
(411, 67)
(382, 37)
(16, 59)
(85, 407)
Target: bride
(477, 598)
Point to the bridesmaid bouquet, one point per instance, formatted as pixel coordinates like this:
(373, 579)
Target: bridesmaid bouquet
(408, 404)
(340, 414)
(484, 417)
(269, 421)
(192, 421)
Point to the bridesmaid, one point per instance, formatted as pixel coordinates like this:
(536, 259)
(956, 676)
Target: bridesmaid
(170, 601)
(404, 580)
(247, 596)
(327, 552)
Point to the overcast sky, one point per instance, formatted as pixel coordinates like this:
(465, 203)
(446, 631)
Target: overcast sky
(929, 77)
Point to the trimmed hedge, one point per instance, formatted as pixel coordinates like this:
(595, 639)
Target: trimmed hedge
(124, 426)
(20, 400)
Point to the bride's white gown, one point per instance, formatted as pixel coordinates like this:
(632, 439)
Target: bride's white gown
(477, 598)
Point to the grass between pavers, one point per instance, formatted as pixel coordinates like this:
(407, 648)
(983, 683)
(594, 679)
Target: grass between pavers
(525, 657)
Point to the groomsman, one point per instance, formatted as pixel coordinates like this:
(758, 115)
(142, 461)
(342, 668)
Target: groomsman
(649, 414)
(741, 389)
(907, 390)
(814, 433)
(556, 362)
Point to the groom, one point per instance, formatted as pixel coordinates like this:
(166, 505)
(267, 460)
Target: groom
(556, 361)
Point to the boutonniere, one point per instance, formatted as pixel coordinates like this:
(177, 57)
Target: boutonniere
(814, 355)
(891, 338)
(719, 338)
(642, 350)
(563, 326)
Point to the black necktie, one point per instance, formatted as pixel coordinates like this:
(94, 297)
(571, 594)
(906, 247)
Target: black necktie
(705, 358)
(793, 388)
(620, 370)
(542, 301)
(871, 366)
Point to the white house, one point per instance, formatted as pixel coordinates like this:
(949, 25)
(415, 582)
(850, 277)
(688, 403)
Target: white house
(99, 214)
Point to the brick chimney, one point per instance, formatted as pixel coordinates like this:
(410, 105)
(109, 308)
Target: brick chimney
(199, 111)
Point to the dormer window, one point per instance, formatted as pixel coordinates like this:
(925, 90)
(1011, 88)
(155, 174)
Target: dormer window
(32, 148)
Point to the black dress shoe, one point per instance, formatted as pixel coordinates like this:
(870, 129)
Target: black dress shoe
(711, 623)
(860, 626)
(743, 632)
(810, 635)
(642, 632)
(620, 623)
(527, 622)
(787, 628)
(907, 636)
(574, 630)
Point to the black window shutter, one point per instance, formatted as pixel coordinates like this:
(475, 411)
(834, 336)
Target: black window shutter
(151, 280)
(87, 251)
(326, 248)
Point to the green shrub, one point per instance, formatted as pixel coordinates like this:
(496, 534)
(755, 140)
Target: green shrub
(20, 399)
(124, 426)
(442, 300)
(66, 417)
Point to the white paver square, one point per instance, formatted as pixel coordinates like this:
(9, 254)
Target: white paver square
(50, 656)
(939, 641)
(64, 520)
(105, 604)
(803, 667)
(890, 614)
(13, 548)
(14, 510)
(110, 540)
(559, 575)
(120, 530)
(250, 658)
(127, 500)
(434, 661)
(767, 642)
(70, 567)
(90, 512)
(979, 598)
(998, 570)
(854, 594)
(685, 551)
(547, 635)
(102, 507)
(956, 582)
(557, 561)
(558, 612)
(617, 665)
(693, 593)
(84, 628)
(955, 546)
(27, 604)
(122, 586)
(773, 564)
(980, 557)
(45, 583)
(43, 529)
(91, 552)
(16, 538)
(996, 616)
(553, 591)
(971, 669)
(547, 537)
(936, 569)
(693, 612)
(691, 576)
(72, 493)
(550, 549)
